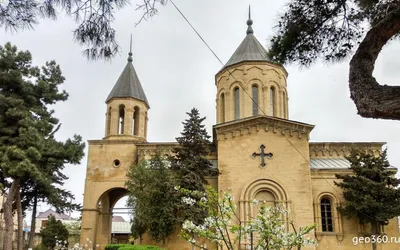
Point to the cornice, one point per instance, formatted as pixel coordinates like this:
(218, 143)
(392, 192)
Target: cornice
(262, 122)
(343, 149)
(245, 63)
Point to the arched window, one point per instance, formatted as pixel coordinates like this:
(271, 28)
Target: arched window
(237, 103)
(326, 215)
(135, 122)
(254, 89)
(121, 118)
(222, 107)
(284, 105)
(265, 197)
(272, 101)
(108, 122)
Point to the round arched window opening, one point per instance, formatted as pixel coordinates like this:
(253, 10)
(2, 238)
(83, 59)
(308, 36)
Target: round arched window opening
(116, 163)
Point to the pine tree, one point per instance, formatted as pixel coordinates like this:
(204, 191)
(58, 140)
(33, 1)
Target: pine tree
(25, 124)
(152, 195)
(54, 233)
(190, 164)
(333, 30)
(371, 192)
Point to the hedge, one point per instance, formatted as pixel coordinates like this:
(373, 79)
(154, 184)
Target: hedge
(130, 247)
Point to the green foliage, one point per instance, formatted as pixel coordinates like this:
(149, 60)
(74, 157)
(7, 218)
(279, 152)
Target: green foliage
(371, 193)
(130, 247)
(190, 164)
(327, 29)
(223, 225)
(99, 38)
(74, 231)
(53, 232)
(115, 246)
(40, 247)
(152, 195)
(29, 153)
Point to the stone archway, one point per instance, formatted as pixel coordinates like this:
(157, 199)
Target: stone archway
(97, 221)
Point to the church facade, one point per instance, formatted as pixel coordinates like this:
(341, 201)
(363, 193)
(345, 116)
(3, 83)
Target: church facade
(260, 153)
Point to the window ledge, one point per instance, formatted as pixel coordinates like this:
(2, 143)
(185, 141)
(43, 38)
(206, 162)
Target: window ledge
(319, 235)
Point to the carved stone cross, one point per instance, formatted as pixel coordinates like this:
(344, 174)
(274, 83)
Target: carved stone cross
(262, 155)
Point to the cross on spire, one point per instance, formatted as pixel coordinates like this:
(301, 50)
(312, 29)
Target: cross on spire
(130, 59)
(249, 23)
(263, 155)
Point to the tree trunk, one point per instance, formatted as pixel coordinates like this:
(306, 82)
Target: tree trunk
(8, 215)
(20, 240)
(374, 231)
(33, 222)
(372, 99)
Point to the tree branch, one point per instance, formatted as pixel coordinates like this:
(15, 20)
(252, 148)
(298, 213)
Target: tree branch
(372, 99)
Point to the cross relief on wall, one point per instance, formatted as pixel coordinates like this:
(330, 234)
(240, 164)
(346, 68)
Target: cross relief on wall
(263, 155)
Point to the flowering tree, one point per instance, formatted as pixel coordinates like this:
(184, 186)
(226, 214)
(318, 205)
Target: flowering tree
(223, 227)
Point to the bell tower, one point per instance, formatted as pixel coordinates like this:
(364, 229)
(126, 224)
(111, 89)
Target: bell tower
(127, 107)
(249, 84)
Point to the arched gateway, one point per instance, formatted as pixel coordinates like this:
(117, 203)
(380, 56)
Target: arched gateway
(260, 153)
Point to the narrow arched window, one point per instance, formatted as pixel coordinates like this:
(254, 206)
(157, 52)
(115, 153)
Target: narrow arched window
(222, 107)
(255, 99)
(284, 105)
(121, 118)
(272, 101)
(135, 123)
(237, 103)
(108, 122)
(326, 215)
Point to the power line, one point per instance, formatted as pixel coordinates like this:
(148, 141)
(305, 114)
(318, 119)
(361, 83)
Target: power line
(258, 107)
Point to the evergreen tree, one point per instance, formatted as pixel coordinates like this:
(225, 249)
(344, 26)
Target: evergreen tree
(25, 120)
(54, 233)
(153, 197)
(190, 164)
(371, 192)
(94, 19)
(55, 155)
(332, 30)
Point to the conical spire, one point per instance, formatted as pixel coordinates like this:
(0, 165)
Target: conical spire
(250, 49)
(128, 84)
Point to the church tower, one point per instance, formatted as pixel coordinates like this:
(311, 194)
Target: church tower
(127, 107)
(250, 85)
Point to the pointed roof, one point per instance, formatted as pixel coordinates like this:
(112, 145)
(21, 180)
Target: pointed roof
(250, 49)
(128, 84)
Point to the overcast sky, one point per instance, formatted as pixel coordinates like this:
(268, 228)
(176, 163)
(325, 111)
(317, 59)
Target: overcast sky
(177, 73)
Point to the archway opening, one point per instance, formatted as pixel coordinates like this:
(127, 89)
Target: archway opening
(113, 223)
(121, 222)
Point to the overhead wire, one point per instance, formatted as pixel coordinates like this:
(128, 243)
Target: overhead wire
(254, 102)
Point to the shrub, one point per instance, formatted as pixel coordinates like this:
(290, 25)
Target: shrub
(115, 246)
(142, 247)
(39, 247)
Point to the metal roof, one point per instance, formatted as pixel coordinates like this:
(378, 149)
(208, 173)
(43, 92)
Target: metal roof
(249, 50)
(121, 227)
(128, 84)
(329, 163)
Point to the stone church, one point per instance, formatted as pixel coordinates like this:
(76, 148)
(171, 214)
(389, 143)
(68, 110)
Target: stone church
(260, 152)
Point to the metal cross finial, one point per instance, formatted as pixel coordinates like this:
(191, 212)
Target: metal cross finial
(130, 59)
(249, 12)
(249, 23)
(262, 155)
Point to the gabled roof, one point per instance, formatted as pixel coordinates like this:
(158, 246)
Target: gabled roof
(128, 84)
(249, 50)
(46, 214)
(118, 219)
